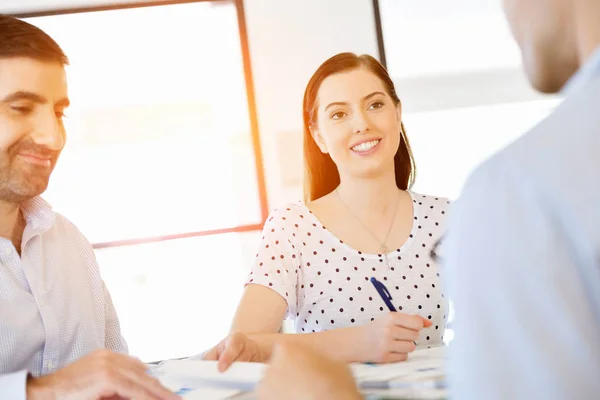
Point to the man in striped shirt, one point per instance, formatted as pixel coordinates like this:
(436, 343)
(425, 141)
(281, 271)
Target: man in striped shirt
(59, 332)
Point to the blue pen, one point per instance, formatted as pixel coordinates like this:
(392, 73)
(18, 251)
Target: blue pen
(385, 295)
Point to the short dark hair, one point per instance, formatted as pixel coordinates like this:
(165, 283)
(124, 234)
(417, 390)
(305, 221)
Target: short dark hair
(21, 39)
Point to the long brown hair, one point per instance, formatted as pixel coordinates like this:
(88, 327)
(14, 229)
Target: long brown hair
(321, 175)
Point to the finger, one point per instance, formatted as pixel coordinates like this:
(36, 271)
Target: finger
(427, 323)
(402, 346)
(154, 387)
(118, 386)
(232, 352)
(127, 362)
(103, 357)
(211, 355)
(401, 333)
(140, 377)
(414, 322)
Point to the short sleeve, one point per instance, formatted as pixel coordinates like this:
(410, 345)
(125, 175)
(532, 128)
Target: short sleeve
(278, 258)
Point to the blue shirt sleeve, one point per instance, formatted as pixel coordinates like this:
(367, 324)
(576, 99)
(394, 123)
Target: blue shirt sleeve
(523, 325)
(12, 386)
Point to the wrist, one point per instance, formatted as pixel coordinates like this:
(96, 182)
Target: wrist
(359, 350)
(38, 388)
(342, 344)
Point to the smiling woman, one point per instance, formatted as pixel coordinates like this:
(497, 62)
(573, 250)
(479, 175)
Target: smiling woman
(322, 173)
(361, 221)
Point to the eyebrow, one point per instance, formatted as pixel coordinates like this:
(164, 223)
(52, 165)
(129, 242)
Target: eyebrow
(36, 98)
(341, 103)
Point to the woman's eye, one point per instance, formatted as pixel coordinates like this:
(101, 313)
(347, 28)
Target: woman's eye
(338, 115)
(377, 105)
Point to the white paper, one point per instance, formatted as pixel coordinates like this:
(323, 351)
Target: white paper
(199, 373)
(210, 394)
(421, 365)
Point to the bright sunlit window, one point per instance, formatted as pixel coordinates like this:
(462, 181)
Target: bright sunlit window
(458, 72)
(159, 143)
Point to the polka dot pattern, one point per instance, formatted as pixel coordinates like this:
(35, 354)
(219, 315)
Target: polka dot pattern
(326, 286)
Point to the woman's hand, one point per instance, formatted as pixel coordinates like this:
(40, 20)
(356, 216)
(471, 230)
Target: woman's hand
(389, 338)
(237, 347)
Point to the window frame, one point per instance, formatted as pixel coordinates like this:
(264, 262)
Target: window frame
(252, 114)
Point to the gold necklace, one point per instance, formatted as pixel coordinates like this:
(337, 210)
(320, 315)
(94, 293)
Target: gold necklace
(382, 244)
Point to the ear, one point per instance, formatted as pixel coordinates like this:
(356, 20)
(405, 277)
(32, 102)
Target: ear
(316, 135)
(399, 111)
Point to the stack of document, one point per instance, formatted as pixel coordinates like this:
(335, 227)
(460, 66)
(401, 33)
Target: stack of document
(197, 379)
(424, 369)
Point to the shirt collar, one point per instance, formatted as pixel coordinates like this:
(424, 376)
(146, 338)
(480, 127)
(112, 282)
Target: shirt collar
(38, 214)
(589, 71)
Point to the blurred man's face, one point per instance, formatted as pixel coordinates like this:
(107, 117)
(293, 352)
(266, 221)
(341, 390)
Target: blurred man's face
(33, 97)
(543, 31)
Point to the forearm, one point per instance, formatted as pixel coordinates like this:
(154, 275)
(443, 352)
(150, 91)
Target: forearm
(339, 344)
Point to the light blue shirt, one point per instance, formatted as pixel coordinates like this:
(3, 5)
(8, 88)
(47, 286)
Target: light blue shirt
(54, 307)
(522, 259)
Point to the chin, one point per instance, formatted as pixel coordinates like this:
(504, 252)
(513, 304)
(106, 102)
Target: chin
(546, 84)
(371, 171)
(549, 73)
(28, 191)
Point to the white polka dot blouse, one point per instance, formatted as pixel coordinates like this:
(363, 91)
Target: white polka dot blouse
(326, 283)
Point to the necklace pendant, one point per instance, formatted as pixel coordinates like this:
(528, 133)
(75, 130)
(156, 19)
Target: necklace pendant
(383, 248)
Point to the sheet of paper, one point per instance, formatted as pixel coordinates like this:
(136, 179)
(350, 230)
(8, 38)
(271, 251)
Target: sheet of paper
(435, 353)
(197, 373)
(422, 364)
(210, 394)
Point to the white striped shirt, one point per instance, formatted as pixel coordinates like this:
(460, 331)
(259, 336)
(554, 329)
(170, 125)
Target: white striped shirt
(54, 306)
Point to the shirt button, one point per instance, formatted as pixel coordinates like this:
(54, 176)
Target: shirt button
(49, 366)
(7, 251)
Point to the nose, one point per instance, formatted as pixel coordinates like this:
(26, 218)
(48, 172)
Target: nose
(49, 132)
(360, 122)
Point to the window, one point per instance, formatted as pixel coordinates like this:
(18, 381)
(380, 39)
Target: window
(177, 298)
(458, 72)
(160, 146)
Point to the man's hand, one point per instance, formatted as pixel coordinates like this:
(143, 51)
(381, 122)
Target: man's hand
(237, 347)
(299, 372)
(100, 375)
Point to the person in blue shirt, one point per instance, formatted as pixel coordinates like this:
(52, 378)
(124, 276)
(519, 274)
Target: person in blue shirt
(59, 332)
(522, 253)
